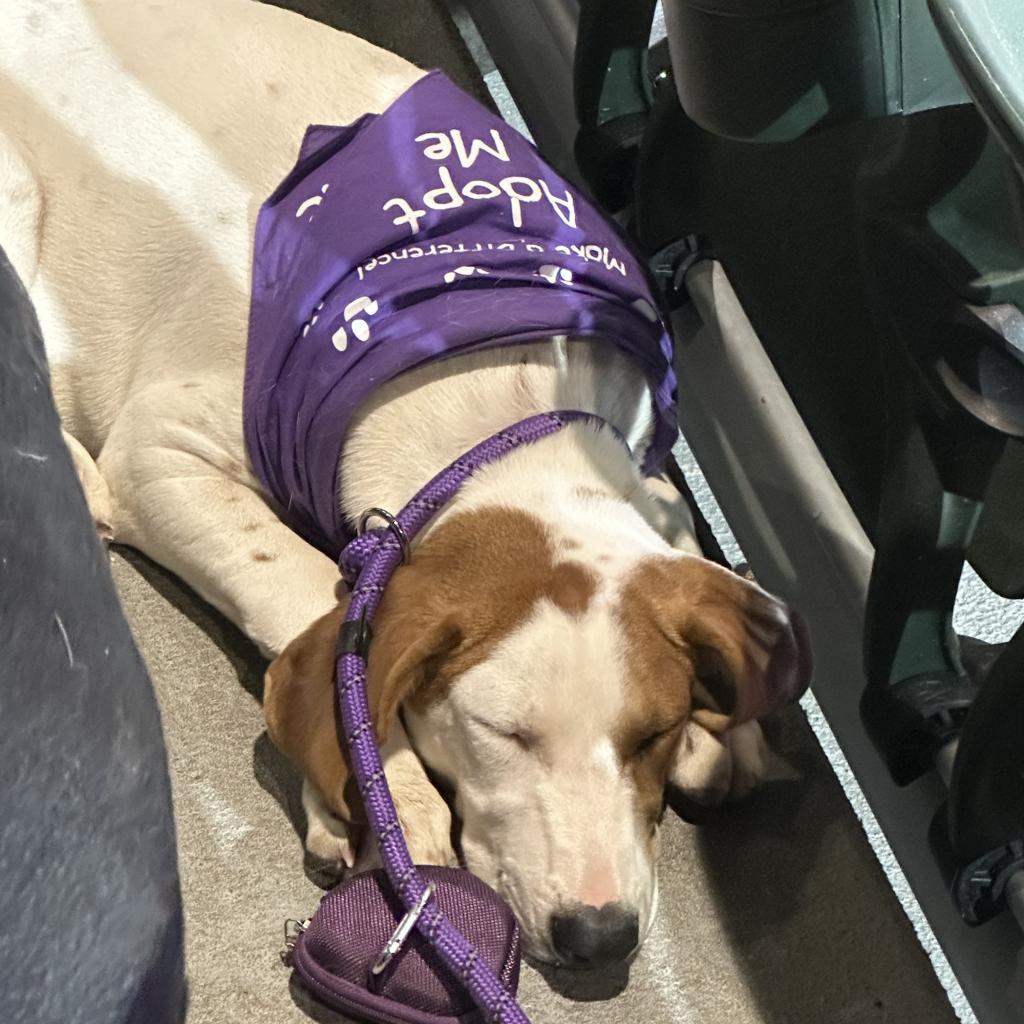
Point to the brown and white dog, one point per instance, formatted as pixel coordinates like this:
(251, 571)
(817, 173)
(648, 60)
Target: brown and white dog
(557, 652)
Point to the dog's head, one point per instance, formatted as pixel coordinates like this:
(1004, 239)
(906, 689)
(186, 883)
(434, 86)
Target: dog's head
(557, 687)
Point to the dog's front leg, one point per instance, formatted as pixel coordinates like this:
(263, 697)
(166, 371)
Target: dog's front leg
(222, 539)
(336, 845)
(331, 842)
(425, 817)
(216, 533)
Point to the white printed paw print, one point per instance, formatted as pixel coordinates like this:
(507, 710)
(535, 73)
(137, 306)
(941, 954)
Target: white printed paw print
(644, 308)
(360, 328)
(463, 272)
(310, 203)
(312, 320)
(553, 274)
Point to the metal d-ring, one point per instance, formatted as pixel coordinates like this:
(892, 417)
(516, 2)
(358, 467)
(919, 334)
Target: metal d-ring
(394, 526)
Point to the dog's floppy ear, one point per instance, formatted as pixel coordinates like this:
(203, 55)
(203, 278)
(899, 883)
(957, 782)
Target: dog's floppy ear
(740, 651)
(298, 706)
(299, 702)
(750, 651)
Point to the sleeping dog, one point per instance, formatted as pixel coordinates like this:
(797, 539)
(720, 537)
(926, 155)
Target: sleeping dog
(556, 653)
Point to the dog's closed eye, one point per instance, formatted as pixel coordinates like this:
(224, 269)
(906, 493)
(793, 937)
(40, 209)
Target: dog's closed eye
(521, 736)
(652, 739)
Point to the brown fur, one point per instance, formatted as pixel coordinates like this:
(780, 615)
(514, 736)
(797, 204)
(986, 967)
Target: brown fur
(298, 705)
(696, 616)
(571, 586)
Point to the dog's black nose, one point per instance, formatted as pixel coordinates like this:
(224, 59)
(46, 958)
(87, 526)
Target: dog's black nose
(594, 937)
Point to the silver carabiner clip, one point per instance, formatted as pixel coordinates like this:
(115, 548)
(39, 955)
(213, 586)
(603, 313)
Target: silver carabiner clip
(401, 933)
(293, 928)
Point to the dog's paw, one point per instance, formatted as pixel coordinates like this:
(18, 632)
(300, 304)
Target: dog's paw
(426, 823)
(754, 763)
(324, 873)
(750, 757)
(711, 769)
(330, 842)
(431, 842)
(702, 771)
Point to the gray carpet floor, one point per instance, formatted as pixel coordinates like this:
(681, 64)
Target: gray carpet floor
(773, 911)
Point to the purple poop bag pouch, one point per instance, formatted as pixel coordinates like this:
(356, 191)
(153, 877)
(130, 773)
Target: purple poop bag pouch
(334, 955)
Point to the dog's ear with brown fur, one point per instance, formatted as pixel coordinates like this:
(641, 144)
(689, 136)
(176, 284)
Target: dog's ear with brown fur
(298, 705)
(744, 652)
(299, 701)
(751, 653)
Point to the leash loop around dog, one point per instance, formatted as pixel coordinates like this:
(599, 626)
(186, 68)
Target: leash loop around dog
(394, 527)
(367, 564)
(366, 542)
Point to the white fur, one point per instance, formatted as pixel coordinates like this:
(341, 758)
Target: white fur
(139, 140)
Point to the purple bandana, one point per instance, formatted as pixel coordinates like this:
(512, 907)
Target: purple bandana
(420, 233)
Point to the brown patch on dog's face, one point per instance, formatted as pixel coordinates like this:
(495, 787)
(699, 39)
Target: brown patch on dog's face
(571, 587)
(481, 573)
(470, 583)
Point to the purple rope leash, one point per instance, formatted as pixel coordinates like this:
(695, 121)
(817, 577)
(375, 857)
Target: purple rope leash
(367, 564)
